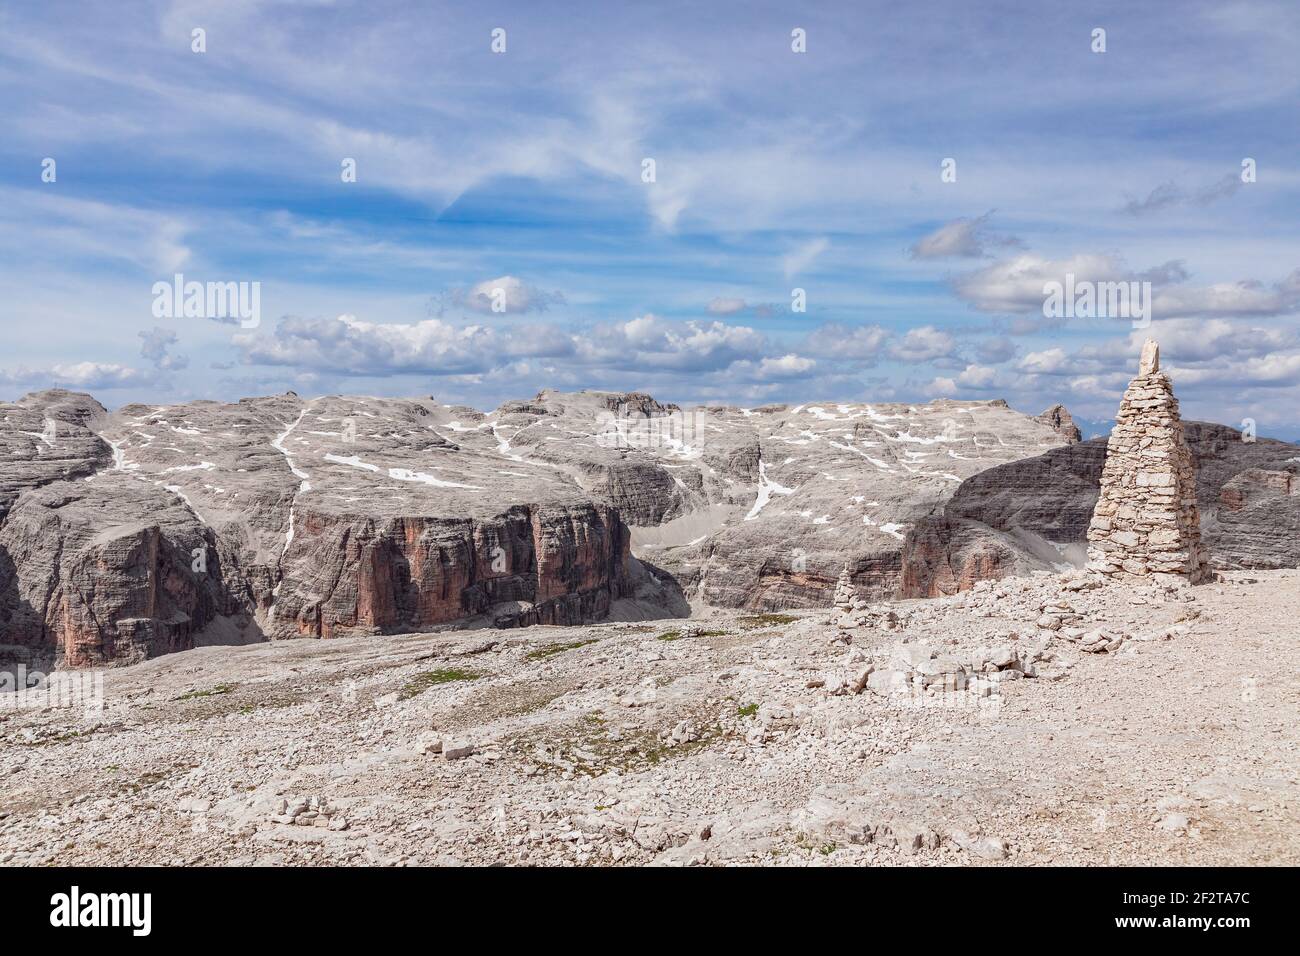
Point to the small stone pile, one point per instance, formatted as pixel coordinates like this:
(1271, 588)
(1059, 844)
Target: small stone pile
(853, 611)
(1146, 522)
(845, 594)
(313, 811)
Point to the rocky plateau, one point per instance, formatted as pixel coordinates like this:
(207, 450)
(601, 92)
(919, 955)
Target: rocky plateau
(152, 529)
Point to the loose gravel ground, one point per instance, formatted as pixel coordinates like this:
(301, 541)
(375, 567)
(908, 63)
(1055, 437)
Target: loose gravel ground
(1064, 721)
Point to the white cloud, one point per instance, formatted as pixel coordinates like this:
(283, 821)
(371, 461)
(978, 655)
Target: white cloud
(506, 294)
(979, 377)
(1246, 297)
(155, 345)
(75, 375)
(963, 238)
(786, 366)
(723, 305)
(1047, 362)
(349, 346)
(924, 344)
(858, 343)
(1016, 284)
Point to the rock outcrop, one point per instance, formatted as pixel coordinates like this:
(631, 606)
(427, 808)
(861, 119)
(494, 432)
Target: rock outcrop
(105, 571)
(1146, 521)
(1257, 523)
(341, 515)
(1062, 422)
(789, 494)
(1250, 515)
(45, 437)
(279, 517)
(944, 555)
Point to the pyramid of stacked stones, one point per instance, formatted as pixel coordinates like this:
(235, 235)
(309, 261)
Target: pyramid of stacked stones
(847, 603)
(1146, 522)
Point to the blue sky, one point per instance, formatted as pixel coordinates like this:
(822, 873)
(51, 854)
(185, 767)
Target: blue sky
(775, 170)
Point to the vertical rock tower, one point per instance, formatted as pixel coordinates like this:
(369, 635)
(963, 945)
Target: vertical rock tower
(1146, 522)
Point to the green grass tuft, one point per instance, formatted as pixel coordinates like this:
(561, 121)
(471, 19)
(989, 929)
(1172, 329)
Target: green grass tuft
(422, 682)
(766, 620)
(210, 692)
(678, 635)
(550, 650)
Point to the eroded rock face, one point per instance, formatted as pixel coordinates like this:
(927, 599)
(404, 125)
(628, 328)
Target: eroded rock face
(339, 515)
(1244, 523)
(945, 555)
(1257, 524)
(792, 493)
(281, 517)
(1051, 495)
(380, 516)
(760, 507)
(533, 565)
(105, 571)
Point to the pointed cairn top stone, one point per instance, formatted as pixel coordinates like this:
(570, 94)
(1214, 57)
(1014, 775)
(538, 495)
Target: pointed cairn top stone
(1146, 523)
(1150, 361)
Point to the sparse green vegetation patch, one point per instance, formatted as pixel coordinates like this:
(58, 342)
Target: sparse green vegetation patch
(767, 620)
(678, 635)
(748, 710)
(210, 692)
(550, 650)
(594, 747)
(444, 675)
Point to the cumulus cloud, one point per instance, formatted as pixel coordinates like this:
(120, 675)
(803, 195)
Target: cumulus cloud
(652, 342)
(155, 345)
(350, 346)
(354, 347)
(980, 377)
(1046, 362)
(960, 238)
(857, 343)
(505, 295)
(1016, 284)
(1244, 298)
(924, 344)
(787, 366)
(75, 375)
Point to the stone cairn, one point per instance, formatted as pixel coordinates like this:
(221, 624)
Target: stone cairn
(1146, 522)
(853, 611)
(845, 593)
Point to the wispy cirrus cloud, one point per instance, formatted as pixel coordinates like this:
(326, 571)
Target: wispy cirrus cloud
(961, 238)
